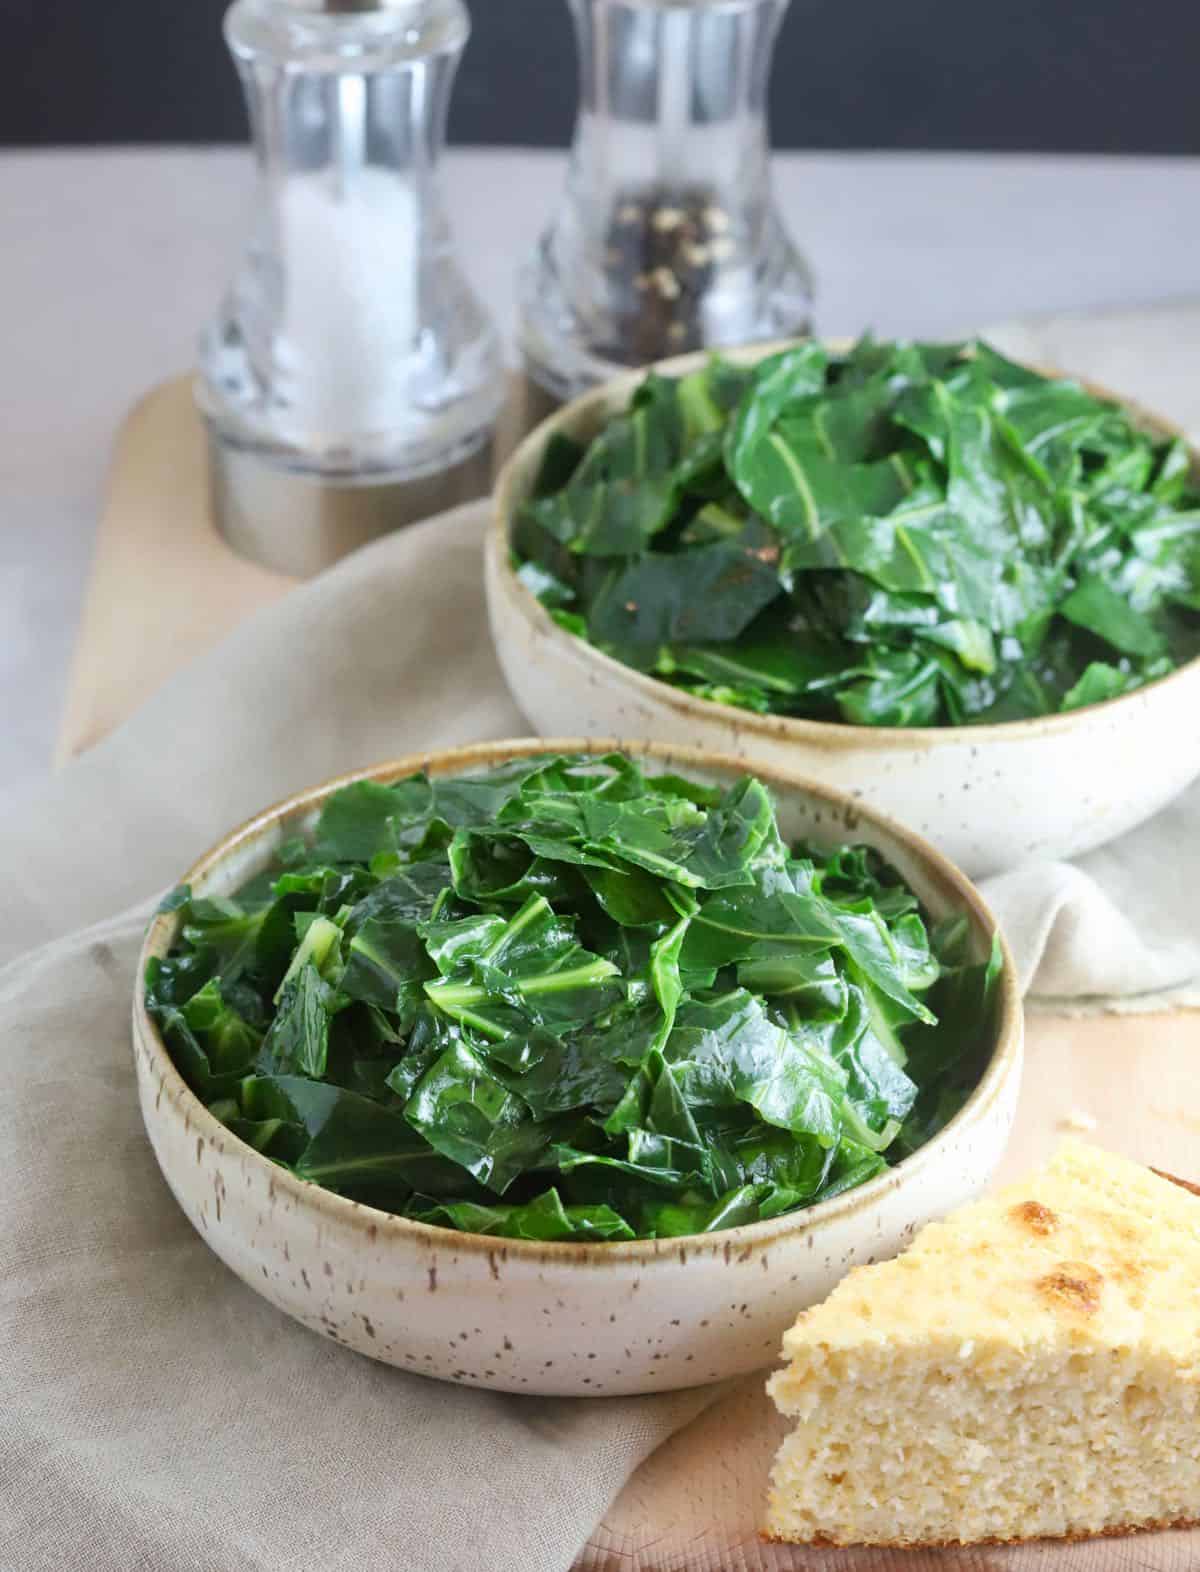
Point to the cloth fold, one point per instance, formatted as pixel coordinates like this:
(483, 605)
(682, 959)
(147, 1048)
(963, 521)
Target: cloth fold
(158, 1413)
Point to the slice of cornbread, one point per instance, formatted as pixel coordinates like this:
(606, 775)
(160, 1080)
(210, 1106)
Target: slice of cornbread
(1028, 1367)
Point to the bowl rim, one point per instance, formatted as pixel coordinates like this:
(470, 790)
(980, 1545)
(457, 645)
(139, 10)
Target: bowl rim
(829, 735)
(1003, 1062)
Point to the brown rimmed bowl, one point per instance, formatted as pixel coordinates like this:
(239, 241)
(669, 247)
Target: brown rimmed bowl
(991, 797)
(562, 1319)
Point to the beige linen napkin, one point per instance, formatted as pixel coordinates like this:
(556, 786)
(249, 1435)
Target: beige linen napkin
(157, 1413)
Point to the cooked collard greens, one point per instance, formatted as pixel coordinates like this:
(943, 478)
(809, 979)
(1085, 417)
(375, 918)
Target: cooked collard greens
(906, 535)
(564, 999)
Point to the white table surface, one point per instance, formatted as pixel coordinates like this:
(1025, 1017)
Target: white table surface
(110, 260)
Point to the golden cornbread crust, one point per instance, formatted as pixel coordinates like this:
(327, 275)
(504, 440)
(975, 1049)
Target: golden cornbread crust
(1029, 1369)
(1073, 1285)
(1122, 1531)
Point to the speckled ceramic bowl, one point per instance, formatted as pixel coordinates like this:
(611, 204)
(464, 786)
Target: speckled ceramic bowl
(560, 1318)
(990, 797)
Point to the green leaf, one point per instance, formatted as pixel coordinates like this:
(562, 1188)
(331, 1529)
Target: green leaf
(903, 688)
(228, 1038)
(297, 1041)
(357, 822)
(711, 592)
(1096, 606)
(320, 949)
(809, 982)
(1173, 472)
(773, 661)
(351, 1140)
(543, 1218)
(775, 383)
(385, 966)
(675, 1219)
(730, 1051)
(625, 489)
(560, 459)
(803, 493)
(632, 897)
(174, 900)
(669, 837)
(555, 1074)
(494, 867)
(530, 969)
(469, 1116)
(231, 930)
(1099, 682)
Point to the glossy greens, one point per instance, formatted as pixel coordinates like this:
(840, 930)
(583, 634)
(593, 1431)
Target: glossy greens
(907, 535)
(564, 999)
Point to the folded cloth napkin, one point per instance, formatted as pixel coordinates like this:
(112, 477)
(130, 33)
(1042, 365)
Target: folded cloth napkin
(158, 1414)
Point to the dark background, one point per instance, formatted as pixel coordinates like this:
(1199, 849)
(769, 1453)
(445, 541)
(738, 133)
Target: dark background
(1015, 75)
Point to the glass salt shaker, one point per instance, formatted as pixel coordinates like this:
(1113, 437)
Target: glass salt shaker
(667, 238)
(350, 380)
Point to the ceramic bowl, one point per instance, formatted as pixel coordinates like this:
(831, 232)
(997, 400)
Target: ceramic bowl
(990, 797)
(560, 1318)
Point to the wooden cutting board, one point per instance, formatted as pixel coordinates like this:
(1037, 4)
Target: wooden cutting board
(694, 1506)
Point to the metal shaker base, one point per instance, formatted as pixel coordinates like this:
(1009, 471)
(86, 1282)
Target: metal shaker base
(299, 524)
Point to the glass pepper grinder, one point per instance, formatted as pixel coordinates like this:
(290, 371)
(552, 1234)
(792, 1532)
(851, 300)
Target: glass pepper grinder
(667, 238)
(350, 380)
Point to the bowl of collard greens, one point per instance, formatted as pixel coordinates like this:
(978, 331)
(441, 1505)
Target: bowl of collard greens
(557, 1068)
(962, 589)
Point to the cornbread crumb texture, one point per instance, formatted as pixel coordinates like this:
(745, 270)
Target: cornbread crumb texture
(1030, 1366)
